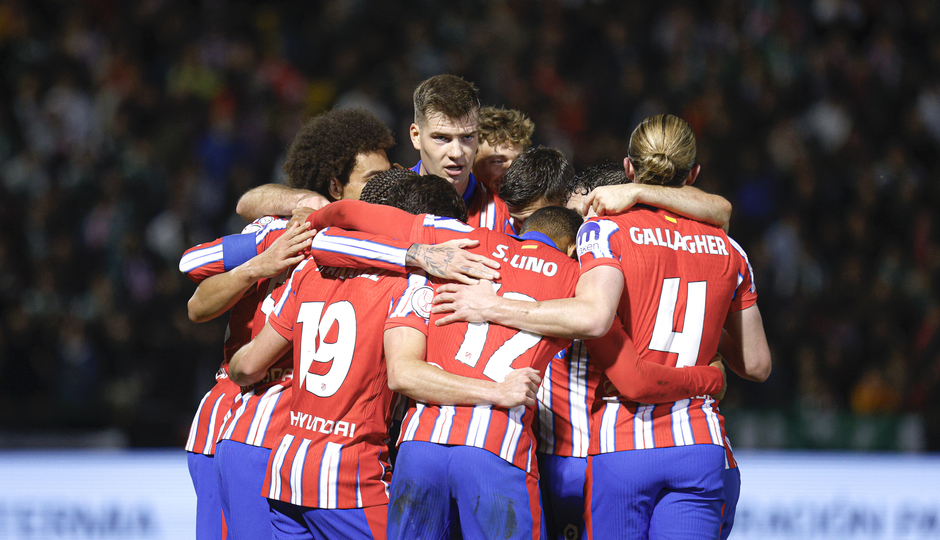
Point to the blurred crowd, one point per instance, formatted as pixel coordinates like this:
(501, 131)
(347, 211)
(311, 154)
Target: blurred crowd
(129, 129)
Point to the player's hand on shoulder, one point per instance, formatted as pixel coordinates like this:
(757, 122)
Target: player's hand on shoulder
(606, 200)
(313, 202)
(451, 260)
(464, 303)
(284, 252)
(519, 388)
(300, 215)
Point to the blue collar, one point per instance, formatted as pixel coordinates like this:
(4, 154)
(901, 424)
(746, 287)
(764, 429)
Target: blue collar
(471, 185)
(538, 237)
(471, 189)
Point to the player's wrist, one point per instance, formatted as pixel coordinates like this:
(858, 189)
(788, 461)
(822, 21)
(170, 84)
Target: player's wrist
(411, 256)
(249, 272)
(492, 394)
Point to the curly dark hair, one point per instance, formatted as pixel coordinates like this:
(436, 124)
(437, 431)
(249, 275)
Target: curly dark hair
(327, 145)
(416, 194)
(378, 189)
(428, 194)
(603, 174)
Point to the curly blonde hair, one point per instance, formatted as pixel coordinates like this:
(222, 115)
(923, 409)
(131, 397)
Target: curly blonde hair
(502, 126)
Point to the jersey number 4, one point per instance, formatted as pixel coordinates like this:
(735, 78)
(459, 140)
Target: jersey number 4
(317, 322)
(685, 343)
(499, 364)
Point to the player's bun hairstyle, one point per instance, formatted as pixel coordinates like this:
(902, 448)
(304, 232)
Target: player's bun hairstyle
(662, 150)
(327, 145)
(603, 174)
(448, 95)
(540, 172)
(505, 126)
(556, 222)
(378, 188)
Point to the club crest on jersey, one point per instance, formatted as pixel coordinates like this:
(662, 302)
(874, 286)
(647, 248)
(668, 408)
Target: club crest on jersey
(257, 224)
(421, 301)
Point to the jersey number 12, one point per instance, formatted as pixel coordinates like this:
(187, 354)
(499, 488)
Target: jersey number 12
(499, 364)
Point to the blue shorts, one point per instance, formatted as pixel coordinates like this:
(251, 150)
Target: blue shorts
(438, 490)
(732, 484)
(300, 522)
(241, 469)
(561, 483)
(209, 523)
(671, 493)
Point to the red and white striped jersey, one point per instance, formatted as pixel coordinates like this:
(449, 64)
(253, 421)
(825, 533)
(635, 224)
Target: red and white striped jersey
(252, 417)
(563, 403)
(487, 211)
(535, 271)
(334, 452)
(207, 423)
(681, 279)
(568, 391)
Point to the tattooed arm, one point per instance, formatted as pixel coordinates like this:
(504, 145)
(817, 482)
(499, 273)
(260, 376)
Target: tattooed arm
(445, 260)
(449, 260)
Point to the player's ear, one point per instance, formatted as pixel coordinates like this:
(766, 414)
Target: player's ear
(628, 168)
(572, 250)
(693, 174)
(415, 131)
(336, 189)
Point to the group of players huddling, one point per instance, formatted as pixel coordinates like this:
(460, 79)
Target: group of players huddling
(417, 353)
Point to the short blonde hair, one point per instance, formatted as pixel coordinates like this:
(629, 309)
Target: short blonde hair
(502, 126)
(662, 150)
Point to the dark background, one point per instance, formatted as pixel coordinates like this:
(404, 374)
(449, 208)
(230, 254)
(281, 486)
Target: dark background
(129, 129)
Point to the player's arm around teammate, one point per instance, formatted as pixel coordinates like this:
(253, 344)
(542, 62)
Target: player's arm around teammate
(218, 293)
(744, 345)
(410, 374)
(252, 361)
(686, 200)
(276, 200)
